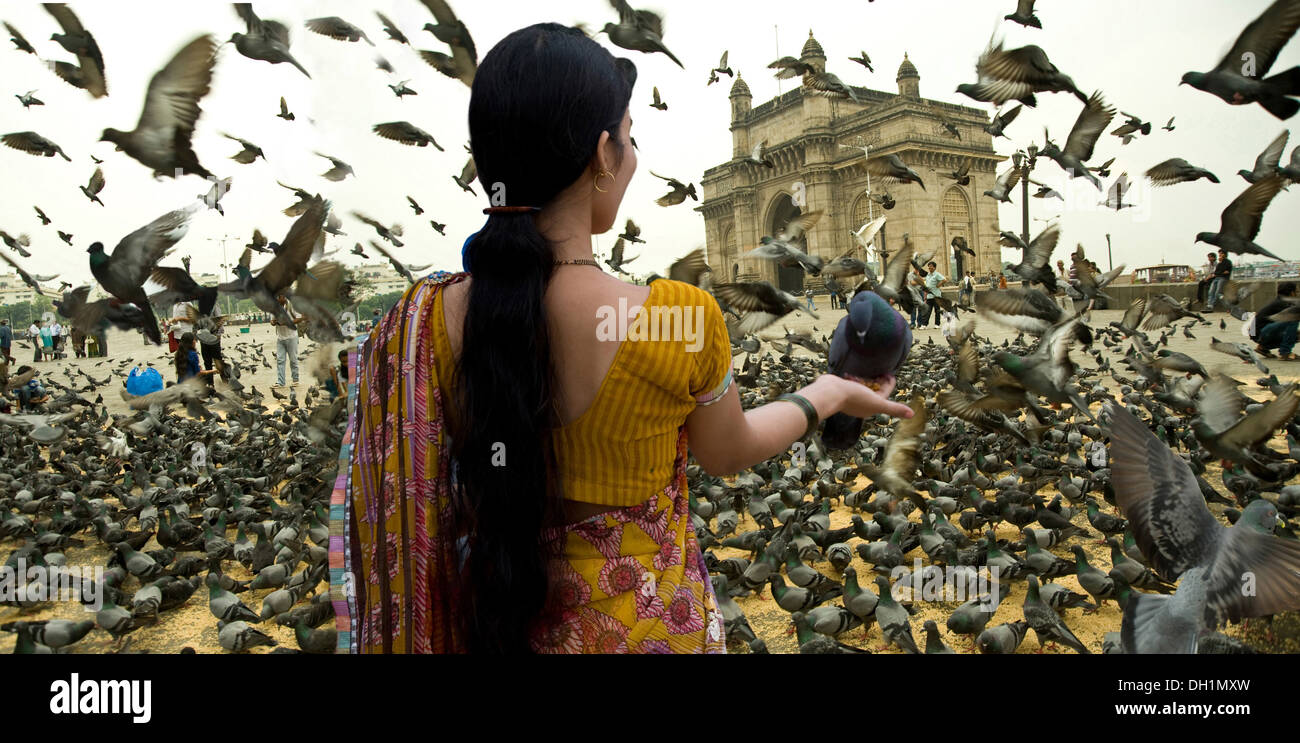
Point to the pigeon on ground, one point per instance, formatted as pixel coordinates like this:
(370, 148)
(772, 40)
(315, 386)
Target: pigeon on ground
(1047, 624)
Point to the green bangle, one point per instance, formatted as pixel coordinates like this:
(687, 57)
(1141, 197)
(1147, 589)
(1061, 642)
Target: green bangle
(808, 410)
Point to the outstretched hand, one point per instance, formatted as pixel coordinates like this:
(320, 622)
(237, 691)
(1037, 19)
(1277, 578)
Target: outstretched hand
(861, 401)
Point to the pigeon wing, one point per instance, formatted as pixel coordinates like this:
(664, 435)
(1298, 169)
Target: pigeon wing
(136, 255)
(1264, 38)
(689, 268)
(295, 249)
(1273, 564)
(171, 104)
(91, 59)
(1245, 214)
(1158, 494)
(1092, 121)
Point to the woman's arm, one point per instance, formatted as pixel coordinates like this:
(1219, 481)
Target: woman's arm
(726, 439)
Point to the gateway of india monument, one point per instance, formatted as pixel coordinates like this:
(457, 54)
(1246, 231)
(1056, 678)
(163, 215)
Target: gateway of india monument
(816, 141)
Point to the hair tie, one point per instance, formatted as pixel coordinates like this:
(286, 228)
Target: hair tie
(511, 209)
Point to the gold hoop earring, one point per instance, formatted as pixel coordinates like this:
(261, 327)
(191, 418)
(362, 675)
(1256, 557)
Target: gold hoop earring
(598, 177)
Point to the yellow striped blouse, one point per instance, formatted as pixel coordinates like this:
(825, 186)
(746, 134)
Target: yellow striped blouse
(673, 354)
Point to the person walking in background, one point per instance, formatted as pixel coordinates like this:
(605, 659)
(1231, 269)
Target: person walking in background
(101, 339)
(286, 343)
(967, 292)
(920, 310)
(1207, 275)
(6, 340)
(34, 335)
(933, 280)
(809, 294)
(47, 340)
(179, 324)
(56, 336)
(1002, 281)
(1222, 272)
(1279, 335)
(212, 351)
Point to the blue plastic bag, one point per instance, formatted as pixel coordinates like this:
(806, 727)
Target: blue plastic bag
(142, 381)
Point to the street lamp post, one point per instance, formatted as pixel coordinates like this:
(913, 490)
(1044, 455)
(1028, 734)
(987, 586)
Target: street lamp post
(1024, 164)
(1109, 260)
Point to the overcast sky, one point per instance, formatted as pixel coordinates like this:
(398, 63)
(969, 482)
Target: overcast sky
(1134, 52)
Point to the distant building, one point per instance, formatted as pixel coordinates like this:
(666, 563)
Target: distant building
(379, 278)
(743, 201)
(14, 291)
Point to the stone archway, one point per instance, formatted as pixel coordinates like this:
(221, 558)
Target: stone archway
(954, 210)
(779, 215)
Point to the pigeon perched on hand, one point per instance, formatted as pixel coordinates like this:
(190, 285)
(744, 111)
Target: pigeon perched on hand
(872, 341)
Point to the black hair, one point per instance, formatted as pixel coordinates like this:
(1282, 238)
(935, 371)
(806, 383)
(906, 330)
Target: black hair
(540, 100)
(1286, 288)
(182, 357)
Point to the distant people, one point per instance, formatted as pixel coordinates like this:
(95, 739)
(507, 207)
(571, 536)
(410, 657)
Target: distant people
(1276, 335)
(34, 335)
(1207, 275)
(1060, 268)
(186, 358)
(6, 340)
(56, 335)
(286, 343)
(1222, 272)
(808, 294)
(211, 352)
(101, 340)
(337, 384)
(920, 310)
(1002, 281)
(79, 343)
(179, 324)
(967, 292)
(31, 394)
(933, 281)
(47, 340)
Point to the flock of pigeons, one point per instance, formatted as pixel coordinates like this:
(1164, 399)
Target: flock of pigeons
(980, 465)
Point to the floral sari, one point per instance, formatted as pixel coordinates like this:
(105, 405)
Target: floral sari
(631, 580)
